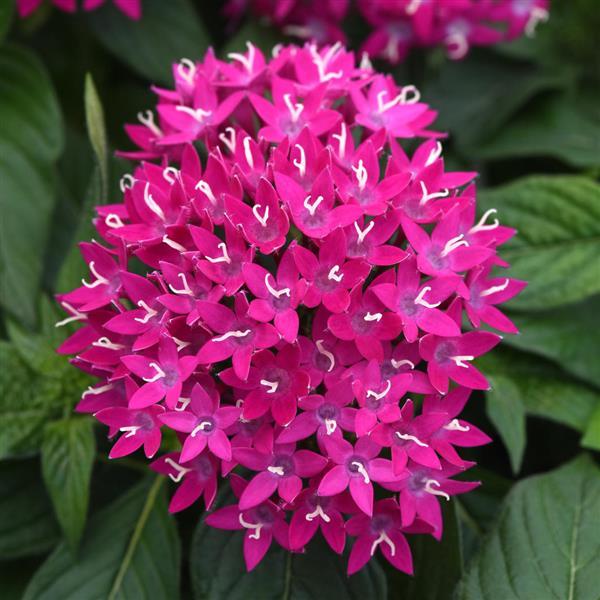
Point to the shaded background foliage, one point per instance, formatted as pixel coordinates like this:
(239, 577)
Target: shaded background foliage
(525, 115)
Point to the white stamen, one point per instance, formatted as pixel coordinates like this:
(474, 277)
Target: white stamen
(333, 274)
(180, 343)
(150, 312)
(113, 221)
(104, 342)
(341, 138)
(373, 317)
(391, 50)
(419, 298)
(273, 291)
(126, 182)
(272, 385)
(224, 258)
(318, 512)
(295, 109)
(434, 154)
(246, 61)
(383, 537)
(205, 188)
(301, 31)
(411, 438)
(362, 233)
(537, 15)
(262, 219)
(494, 289)
(276, 50)
(131, 430)
(453, 244)
(182, 404)
(330, 426)
(402, 98)
(433, 492)
(329, 355)
(300, 164)
(276, 470)
(201, 427)
(426, 197)
(411, 9)
(256, 526)
(77, 316)
(100, 280)
(186, 69)
(181, 471)
(361, 469)
(454, 425)
(228, 141)
(173, 244)
(312, 208)
(248, 151)
(400, 363)
(460, 360)
(380, 395)
(170, 175)
(457, 45)
(147, 118)
(321, 62)
(151, 204)
(196, 113)
(160, 374)
(481, 226)
(230, 334)
(92, 391)
(186, 290)
(361, 175)
(365, 62)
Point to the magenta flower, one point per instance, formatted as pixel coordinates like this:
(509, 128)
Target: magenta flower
(280, 469)
(205, 421)
(262, 523)
(196, 478)
(355, 468)
(383, 531)
(273, 300)
(313, 512)
(238, 335)
(163, 375)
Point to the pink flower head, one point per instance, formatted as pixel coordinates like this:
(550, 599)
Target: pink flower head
(276, 299)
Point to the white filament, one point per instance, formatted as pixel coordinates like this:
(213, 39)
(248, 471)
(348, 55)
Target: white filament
(200, 427)
(333, 274)
(228, 141)
(361, 469)
(150, 312)
(131, 430)
(481, 226)
(160, 374)
(300, 164)
(411, 438)
(273, 291)
(186, 290)
(419, 298)
(100, 280)
(434, 154)
(205, 188)
(318, 512)
(151, 204)
(255, 526)
(181, 471)
(460, 360)
(373, 317)
(223, 258)
(326, 353)
(341, 138)
(272, 385)
(196, 113)
(104, 342)
(262, 219)
(362, 233)
(246, 61)
(232, 334)
(248, 151)
(400, 363)
(312, 208)
(404, 97)
(361, 175)
(171, 243)
(126, 182)
(147, 118)
(380, 395)
(495, 288)
(113, 221)
(454, 425)
(433, 492)
(453, 244)
(426, 197)
(295, 109)
(186, 70)
(383, 537)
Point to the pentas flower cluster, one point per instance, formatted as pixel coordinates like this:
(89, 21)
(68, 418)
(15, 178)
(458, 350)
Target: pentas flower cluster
(290, 300)
(131, 8)
(399, 25)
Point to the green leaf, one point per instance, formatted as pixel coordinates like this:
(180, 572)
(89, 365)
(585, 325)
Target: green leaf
(547, 541)
(167, 32)
(562, 125)
(94, 117)
(546, 390)
(6, 14)
(27, 525)
(437, 565)
(558, 241)
(506, 411)
(31, 139)
(258, 32)
(568, 335)
(591, 437)
(130, 550)
(218, 571)
(74, 268)
(471, 95)
(68, 452)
